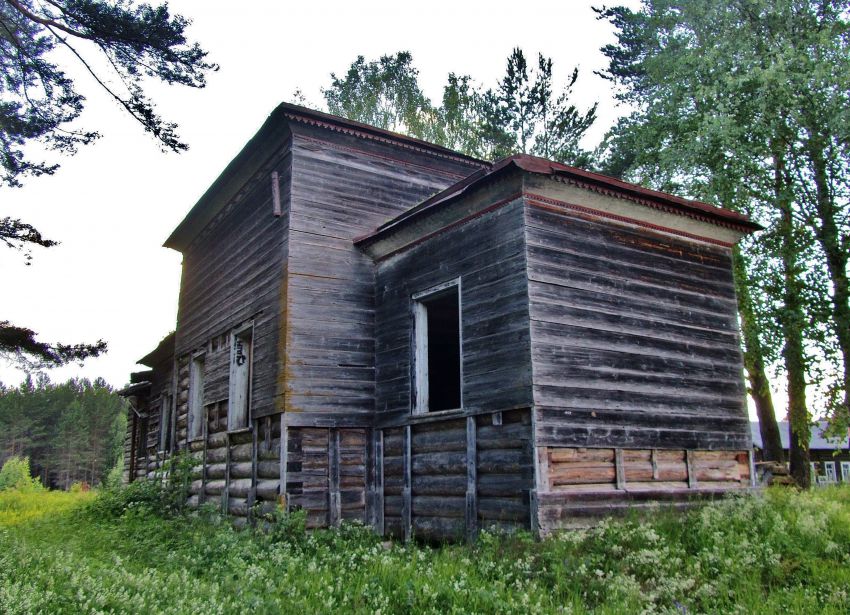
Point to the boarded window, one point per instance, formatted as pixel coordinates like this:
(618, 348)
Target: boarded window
(437, 352)
(240, 379)
(143, 437)
(166, 437)
(196, 397)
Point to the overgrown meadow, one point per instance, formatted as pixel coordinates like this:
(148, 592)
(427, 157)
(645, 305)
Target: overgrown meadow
(126, 551)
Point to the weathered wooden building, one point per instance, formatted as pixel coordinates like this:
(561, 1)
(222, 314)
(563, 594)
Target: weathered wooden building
(377, 328)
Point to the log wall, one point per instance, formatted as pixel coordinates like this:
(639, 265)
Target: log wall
(448, 478)
(576, 486)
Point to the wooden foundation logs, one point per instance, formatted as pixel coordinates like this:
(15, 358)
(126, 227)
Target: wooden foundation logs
(431, 491)
(578, 485)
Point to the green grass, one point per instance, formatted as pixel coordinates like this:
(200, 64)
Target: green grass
(781, 552)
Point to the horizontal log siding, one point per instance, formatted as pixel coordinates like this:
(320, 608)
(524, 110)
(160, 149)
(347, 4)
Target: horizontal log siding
(232, 272)
(441, 490)
(352, 474)
(438, 480)
(634, 338)
(393, 465)
(307, 473)
(505, 470)
(343, 187)
(488, 254)
(581, 484)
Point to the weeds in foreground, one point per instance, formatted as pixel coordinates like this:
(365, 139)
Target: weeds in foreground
(780, 552)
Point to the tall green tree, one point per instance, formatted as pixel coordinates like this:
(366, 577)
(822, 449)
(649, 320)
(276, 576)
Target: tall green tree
(524, 113)
(120, 45)
(37, 98)
(725, 93)
(383, 93)
(71, 431)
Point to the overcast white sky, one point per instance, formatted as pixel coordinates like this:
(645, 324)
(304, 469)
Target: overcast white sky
(114, 203)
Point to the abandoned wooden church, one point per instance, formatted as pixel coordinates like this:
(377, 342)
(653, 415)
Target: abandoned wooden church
(373, 327)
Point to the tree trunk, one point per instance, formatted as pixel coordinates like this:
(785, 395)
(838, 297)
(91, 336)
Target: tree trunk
(792, 320)
(829, 236)
(759, 388)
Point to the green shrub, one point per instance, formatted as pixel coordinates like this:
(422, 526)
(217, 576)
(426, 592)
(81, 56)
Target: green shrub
(115, 476)
(287, 527)
(163, 495)
(15, 474)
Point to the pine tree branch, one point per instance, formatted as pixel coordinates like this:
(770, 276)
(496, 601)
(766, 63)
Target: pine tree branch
(46, 22)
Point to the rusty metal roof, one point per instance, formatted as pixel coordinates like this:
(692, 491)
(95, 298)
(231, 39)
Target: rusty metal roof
(542, 166)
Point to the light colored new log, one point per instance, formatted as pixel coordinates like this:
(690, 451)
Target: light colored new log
(569, 476)
(581, 488)
(657, 485)
(633, 454)
(707, 456)
(557, 455)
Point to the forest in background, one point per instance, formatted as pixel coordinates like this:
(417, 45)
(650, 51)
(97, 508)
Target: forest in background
(72, 432)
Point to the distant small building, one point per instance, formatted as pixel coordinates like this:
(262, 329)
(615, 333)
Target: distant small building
(830, 457)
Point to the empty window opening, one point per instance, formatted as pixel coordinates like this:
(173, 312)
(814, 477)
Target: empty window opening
(196, 397)
(438, 350)
(240, 379)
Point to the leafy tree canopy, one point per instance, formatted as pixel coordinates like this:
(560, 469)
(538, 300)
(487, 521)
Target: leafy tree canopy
(524, 112)
(38, 99)
(745, 103)
(121, 44)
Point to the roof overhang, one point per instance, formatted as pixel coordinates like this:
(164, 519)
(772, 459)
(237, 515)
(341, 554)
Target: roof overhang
(163, 351)
(136, 389)
(382, 241)
(266, 142)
